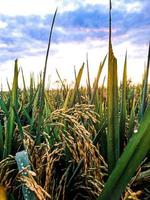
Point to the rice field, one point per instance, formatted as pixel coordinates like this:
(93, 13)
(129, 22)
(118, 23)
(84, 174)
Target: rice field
(79, 143)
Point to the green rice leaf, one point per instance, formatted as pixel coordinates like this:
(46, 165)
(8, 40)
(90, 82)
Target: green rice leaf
(123, 106)
(145, 89)
(77, 84)
(113, 140)
(95, 85)
(133, 155)
(11, 119)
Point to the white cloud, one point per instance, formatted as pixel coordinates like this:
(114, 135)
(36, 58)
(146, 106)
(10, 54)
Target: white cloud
(3, 25)
(28, 7)
(43, 7)
(3, 45)
(129, 7)
(122, 5)
(94, 2)
(34, 7)
(69, 6)
(134, 7)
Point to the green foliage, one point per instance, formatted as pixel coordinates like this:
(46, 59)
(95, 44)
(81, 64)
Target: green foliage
(133, 155)
(11, 117)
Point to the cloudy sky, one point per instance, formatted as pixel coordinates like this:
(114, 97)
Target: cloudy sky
(81, 26)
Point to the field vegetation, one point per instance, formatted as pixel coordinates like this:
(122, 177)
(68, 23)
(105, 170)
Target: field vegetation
(88, 143)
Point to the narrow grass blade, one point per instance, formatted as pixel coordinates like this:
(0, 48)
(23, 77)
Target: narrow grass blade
(78, 95)
(41, 99)
(145, 89)
(95, 85)
(25, 94)
(76, 171)
(99, 134)
(66, 102)
(63, 85)
(123, 106)
(77, 84)
(88, 78)
(31, 88)
(8, 85)
(102, 99)
(132, 119)
(23, 79)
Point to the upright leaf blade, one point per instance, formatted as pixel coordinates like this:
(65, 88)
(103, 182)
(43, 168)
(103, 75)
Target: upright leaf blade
(123, 106)
(41, 100)
(145, 89)
(88, 78)
(95, 85)
(113, 139)
(77, 83)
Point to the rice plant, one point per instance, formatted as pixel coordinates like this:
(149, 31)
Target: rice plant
(88, 142)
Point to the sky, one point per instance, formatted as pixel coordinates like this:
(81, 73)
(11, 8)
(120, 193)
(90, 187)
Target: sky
(81, 27)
